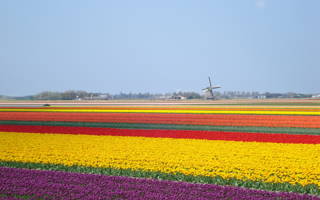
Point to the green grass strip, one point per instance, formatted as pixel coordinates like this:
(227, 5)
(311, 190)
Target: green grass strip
(16, 196)
(250, 129)
(283, 187)
(283, 104)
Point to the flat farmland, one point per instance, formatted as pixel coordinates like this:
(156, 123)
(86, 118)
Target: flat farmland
(235, 149)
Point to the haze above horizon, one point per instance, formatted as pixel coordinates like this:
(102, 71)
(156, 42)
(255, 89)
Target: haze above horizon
(159, 46)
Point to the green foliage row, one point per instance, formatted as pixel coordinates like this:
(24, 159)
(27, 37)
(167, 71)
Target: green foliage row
(281, 187)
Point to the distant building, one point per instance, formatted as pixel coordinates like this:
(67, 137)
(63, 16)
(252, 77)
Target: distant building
(163, 97)
(261, 97)
(316, 96)
(178, 97)
(98, 97)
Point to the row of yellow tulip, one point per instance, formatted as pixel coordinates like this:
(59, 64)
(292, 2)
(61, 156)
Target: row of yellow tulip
(254, 112)
(268, 162)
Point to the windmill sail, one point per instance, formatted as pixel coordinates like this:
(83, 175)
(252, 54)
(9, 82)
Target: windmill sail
(209, 90)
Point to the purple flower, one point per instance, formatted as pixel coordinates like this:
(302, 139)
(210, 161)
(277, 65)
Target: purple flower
(65, 185)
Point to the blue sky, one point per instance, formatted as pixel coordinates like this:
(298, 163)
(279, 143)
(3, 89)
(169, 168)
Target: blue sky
(159, 46)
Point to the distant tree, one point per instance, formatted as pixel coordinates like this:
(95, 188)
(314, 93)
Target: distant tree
(47, 95)
(72, 94)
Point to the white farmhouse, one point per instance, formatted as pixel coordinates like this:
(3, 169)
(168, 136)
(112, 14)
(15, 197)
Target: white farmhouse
(316, 96)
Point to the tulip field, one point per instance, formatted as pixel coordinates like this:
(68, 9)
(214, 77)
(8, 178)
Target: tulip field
(160, 152)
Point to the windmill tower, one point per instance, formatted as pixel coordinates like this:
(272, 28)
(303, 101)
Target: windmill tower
(209, 90)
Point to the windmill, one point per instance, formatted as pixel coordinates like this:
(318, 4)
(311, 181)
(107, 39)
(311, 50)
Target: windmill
(209, 90)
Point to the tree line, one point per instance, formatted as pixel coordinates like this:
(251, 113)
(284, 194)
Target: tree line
(84, 95)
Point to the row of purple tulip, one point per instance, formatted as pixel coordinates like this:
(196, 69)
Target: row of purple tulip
(64, 185)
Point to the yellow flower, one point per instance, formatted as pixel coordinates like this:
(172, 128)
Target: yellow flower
(270, 162)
